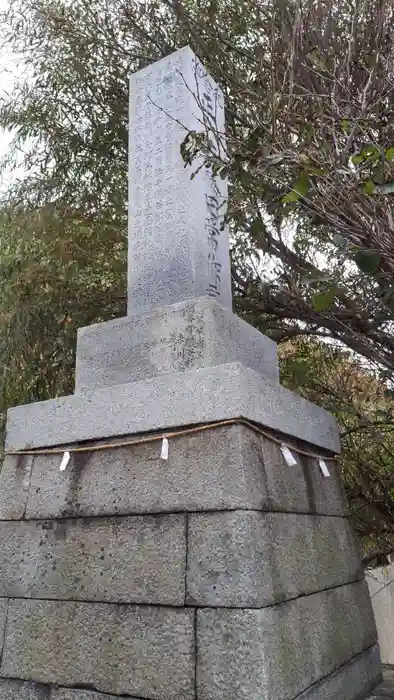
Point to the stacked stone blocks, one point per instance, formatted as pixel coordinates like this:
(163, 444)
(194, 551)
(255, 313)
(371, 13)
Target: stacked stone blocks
(218, 574)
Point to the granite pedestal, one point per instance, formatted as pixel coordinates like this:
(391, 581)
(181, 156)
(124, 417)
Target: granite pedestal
(185, 336)
(219, 573)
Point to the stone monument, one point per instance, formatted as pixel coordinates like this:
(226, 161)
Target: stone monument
(179, 281)
(177, 529)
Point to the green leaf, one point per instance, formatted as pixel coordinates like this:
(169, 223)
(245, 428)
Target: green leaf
(290, 197)
(317, 60)
(246, 179)
(390, 153)
(368, 154)
(323, 300)
(256, 227)
(368, 187)
(345, 125)
(357, 159)
(299, 189)
(315, 171)
(367, 261)
(301, 186)
(371, 153)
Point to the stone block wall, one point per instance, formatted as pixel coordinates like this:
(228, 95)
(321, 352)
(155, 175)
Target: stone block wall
(218, 574)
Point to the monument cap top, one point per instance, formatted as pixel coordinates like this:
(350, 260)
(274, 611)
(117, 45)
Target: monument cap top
(183, 51)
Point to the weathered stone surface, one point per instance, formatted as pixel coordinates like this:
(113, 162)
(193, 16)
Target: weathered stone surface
(203, 471)
(185, 336)
(14, 485)
(280, 651)
(254, 559)
(69, 694)
(353, 681)
(185, 398)
(301, 488)
(220, 469)
(130, 560)
(381, 588)
(141, 651)
(178, 248)
(24, 690)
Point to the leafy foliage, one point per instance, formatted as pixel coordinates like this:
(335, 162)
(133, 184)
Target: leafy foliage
(364, 409)
(58, 271)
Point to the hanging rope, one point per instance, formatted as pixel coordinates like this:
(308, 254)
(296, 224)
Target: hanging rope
(169, 435)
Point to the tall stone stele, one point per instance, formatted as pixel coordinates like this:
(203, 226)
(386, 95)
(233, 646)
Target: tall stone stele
(221, 572)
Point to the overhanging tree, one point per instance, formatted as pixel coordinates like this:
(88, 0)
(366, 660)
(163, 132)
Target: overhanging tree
(335, 379)
(309, 90)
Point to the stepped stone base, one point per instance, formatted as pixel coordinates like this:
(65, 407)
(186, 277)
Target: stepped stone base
(176, 400)
(218, 574)
(184, 336)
